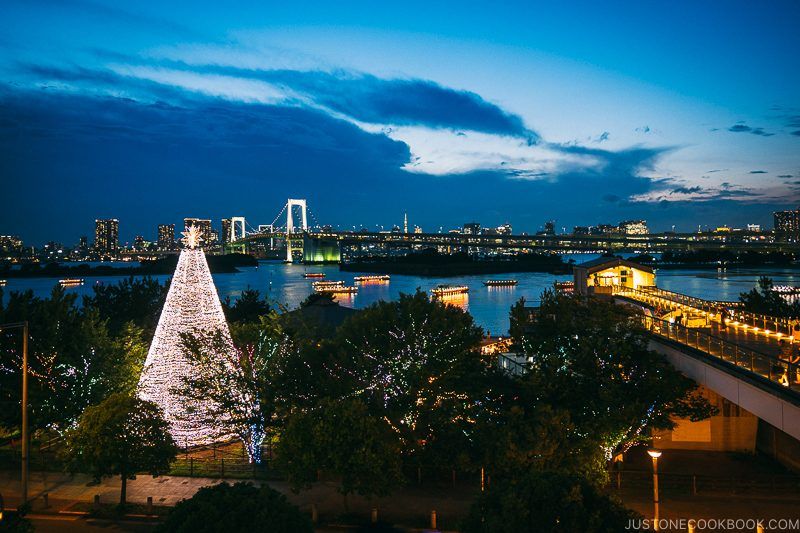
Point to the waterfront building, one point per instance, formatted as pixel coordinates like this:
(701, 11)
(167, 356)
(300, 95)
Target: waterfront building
(166, 236)
(504, 229)
(581, 230)
(787, 221)
(633, 227)
(10, 244)
(471, 228)
(106, 236)
(600, 275)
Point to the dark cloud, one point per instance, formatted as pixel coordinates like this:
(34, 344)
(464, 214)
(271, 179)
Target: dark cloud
(758, 172)
(362, 97)
(403, 102)
(785, 176)
(687, 190)
(602, 137)
(744, 128)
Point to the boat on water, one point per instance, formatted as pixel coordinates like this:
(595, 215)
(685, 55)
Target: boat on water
(500, 282)
(71, 282)
(449, 290)
(337, 289)
(375, 277)
(314, 275)
(327, 284)
(786, 290)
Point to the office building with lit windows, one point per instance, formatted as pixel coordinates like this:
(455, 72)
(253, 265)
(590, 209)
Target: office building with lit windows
(106, 235)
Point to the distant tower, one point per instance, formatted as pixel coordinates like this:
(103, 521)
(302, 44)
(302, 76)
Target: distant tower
(405, 222)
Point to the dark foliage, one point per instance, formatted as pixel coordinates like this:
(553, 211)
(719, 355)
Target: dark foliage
(546, 502)
(249, 307)
(235, 508)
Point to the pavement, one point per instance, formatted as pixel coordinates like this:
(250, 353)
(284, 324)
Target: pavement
(411, 505)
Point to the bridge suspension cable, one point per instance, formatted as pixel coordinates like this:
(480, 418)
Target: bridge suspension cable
(283, 209)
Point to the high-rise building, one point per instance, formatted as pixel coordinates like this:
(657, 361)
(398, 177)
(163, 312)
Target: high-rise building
(106, 235)
(787, 221)
(754, 227)
(205, 229)
(166, 236)
(139, 243)
(633, 227)
(405, 222)
(226, 231)
(10, 243)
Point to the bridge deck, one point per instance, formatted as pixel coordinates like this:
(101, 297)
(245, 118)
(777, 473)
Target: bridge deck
(767, 353)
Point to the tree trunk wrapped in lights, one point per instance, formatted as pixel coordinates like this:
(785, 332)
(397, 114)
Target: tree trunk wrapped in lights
(240, 385)
(192, 307)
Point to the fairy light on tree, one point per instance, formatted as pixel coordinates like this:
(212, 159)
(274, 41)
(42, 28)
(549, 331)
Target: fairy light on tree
(192, 307)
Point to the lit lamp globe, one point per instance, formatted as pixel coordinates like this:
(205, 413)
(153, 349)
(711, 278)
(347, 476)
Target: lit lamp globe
(655, 454)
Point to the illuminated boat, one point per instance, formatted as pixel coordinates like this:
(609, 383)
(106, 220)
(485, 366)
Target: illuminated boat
(500, 282)
(337, 289)
(314, 275)
(327, 284)
(449, 290)
(71, 282)
(376, 277)
(786, 289)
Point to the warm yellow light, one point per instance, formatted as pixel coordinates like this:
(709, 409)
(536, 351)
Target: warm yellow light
(655, 454)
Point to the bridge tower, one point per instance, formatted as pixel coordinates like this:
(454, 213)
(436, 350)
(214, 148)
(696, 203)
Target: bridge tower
(237, 229)
(237, 232)
(290, 228)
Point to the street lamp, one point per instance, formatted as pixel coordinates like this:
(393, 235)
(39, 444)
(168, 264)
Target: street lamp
(655, 454)
(24, 326)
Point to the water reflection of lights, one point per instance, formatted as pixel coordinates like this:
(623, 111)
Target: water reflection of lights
(347, 299)
(457, 300)
(501, 288)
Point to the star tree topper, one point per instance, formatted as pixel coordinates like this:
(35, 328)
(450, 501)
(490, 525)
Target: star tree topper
(192, 237)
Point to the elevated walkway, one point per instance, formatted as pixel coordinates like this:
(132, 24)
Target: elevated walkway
(753, 366)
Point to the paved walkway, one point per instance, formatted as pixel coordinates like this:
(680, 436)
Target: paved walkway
(410, 504)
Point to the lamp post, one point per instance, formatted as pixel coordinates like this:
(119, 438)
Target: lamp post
(655, 454)
(24, 326)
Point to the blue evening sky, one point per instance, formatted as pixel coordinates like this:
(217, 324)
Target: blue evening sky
(682, 113)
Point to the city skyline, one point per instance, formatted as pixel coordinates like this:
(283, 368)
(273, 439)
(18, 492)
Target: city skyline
(586, 114)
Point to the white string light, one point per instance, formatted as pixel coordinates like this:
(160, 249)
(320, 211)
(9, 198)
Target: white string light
(192, 307)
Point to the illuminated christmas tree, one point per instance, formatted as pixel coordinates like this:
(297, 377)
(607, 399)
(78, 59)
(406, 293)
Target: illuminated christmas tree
(192, 307)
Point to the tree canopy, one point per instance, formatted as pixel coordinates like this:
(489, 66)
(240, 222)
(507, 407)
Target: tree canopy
(546, 502)
(591, 365)
(764, 300)
(238, 507)
(74, 360)
(121, 436)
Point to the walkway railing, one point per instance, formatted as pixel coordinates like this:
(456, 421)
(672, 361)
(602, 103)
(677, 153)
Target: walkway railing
(776, 370)
(718, 311)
